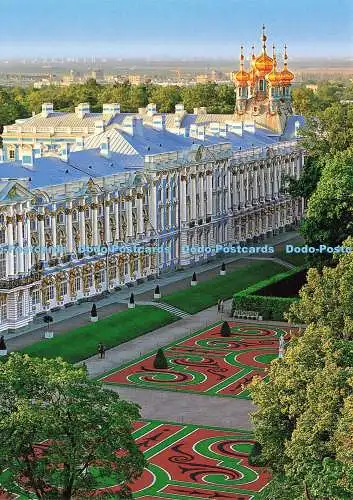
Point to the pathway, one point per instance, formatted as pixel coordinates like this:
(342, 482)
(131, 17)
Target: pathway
(172, 406)
(78, 315)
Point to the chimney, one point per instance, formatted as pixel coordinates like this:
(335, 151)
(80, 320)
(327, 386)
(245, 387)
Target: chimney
(37, 150)
(80, 143)
(151, 109)
(98, 126)
(158, 122)
(28, 159)
(64, 153)
(82, 109)
(222, 130)
(179, 108)
(214, 128)
(111, 109)
(200, 111)
(134, 126)
(249, 127)
(197, 132)
(105, 147)
(236, 128)
(47, 108)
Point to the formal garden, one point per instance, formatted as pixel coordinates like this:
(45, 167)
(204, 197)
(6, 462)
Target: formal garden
(220, 360)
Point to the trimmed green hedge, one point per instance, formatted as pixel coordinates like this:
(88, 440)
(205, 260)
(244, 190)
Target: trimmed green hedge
(206, 293)
(267, 307)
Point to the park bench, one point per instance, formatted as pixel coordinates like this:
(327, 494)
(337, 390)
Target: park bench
(246, 314)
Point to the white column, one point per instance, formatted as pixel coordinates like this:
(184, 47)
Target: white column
(235, 193)
(107, 233)
(193, 196)
(182, 199)
(255, 186)
(269, 183)
(117, 222)
(69, 239)
(139, 209)
(28, 237)
(262, 182)
(201, 195)
(241, 189)
(209, 192)
(10, 253)
(153, 205)
(129, 229)
(94, 209)
(275, 180)
(229, 190)
(82, 226)
(40, 218)
(53, 230)
(20, 255)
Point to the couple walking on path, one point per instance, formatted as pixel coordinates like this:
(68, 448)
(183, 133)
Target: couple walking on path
(220, 305)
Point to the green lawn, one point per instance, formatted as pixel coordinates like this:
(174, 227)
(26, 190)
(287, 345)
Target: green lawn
(293, 258)
(121, 327)
(207, 293)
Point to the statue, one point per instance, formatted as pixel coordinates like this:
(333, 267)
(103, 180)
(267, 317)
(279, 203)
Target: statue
(281, 347)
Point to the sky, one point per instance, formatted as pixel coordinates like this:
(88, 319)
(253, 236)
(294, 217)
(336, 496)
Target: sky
(173, 28)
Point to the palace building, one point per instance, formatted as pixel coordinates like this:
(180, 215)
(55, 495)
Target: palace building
(92, 202)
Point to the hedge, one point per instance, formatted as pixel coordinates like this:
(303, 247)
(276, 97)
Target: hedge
(267, 307)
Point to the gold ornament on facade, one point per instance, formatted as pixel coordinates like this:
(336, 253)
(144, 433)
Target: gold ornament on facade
(94, 206)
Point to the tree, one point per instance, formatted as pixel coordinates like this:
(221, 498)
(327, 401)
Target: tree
(303, 420)
(225, 329)
(329, 131)
(132, 299)
(329, 216)
(160, 361)
(56, 424)
(94, 311)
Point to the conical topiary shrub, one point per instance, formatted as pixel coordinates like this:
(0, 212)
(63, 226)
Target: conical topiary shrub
(48, 319)
(157, 293)
(194, 280)
(222, 272)
(94, 315)
(131, 304)
(225, 329)
(3, 348)
(160, 361)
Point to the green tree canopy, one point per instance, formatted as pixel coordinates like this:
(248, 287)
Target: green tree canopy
(60, 431)
(304, 416)
(329, 216)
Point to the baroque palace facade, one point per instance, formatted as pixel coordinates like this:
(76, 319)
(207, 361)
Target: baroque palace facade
(91, 202)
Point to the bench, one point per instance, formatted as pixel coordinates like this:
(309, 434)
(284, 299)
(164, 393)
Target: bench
(246, 314)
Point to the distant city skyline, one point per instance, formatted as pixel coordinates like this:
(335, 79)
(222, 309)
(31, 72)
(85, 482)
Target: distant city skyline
(174, 28)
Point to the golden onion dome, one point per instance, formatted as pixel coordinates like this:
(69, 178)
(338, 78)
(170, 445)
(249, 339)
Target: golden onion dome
(263, 63)
(286, 75)
(274, 77)
(241, 77)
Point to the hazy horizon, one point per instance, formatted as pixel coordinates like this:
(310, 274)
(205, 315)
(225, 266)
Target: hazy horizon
(173, 28)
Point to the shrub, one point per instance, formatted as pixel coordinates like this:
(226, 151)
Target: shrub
(132, 298)
(194, 277)
(94, 311)
(2, 344)
(156, 291)
(160, 361)
(225, 329)
(255, 455)
(269, 307)
(223, 267)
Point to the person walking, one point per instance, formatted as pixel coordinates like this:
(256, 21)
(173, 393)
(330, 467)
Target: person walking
(101, 350)
(219, 306)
